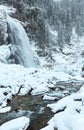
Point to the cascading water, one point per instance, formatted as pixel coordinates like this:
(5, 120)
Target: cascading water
(20, 47)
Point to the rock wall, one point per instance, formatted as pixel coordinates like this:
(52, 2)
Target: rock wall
(3, 26)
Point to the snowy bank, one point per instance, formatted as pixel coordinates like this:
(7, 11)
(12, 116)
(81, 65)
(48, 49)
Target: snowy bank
(15, 78)
(69, 113)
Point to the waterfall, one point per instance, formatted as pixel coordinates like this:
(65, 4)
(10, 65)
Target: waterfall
(20, 46)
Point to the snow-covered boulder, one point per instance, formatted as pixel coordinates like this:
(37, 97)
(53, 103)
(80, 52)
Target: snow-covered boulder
(20, 123)
(69, 113)
(5, 109)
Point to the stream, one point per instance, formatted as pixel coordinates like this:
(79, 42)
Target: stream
(34, 107)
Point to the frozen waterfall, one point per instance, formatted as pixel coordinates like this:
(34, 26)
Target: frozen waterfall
(20, 46)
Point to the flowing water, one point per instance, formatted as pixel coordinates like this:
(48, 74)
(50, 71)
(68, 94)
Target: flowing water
(21, 52)
(35, 107)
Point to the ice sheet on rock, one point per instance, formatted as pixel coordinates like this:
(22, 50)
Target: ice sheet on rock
(20, 123)
(4, 53)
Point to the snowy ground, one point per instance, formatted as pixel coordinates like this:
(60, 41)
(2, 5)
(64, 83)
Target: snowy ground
(14, 77)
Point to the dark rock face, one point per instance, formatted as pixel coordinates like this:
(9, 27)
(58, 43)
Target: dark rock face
(3, 27)
(1, 37)
(83, 71)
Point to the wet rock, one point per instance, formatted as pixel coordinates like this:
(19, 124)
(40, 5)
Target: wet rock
(61, 88)
(55, 129)
(8, 101)
(66, 93)
(5, 93)
(3, 26)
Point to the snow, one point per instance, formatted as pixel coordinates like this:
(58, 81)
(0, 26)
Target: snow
(4, 10)
(70, 59)
(69, 112)
(53, 35)
(12, 77)
(4, 53)
(7, 9)
(20, 123)
(47, 97)
(5, 109)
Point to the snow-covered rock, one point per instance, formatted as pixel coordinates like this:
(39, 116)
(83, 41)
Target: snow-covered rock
(70, 113)
(5, 109)
(47, 97)
(20, 123)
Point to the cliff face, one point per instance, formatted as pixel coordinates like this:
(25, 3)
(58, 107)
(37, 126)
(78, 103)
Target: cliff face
(3, 26)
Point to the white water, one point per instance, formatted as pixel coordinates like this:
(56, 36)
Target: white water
(20, 45)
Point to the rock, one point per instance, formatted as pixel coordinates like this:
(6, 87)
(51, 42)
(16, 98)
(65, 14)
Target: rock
(3, 26)
(5, 93)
